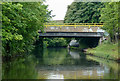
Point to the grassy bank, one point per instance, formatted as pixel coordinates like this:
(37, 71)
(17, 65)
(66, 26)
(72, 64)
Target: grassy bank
(105, 50)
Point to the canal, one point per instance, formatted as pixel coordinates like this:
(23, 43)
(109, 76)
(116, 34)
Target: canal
(60, 63)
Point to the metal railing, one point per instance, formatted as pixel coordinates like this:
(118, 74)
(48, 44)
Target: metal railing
(73, 25)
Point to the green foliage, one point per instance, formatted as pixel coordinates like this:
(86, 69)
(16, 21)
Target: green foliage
(23, 68)
(110, 17)
(55, 42)
(83, 12)
(50, 56)
(20, 25)
(105, 50)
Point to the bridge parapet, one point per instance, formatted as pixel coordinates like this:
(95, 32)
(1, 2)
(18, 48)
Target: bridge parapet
(73, 30)
(73, 27)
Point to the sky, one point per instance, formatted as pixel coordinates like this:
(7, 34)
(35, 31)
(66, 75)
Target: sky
(59, 8)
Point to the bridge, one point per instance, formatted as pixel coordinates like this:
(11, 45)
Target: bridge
(72, 30)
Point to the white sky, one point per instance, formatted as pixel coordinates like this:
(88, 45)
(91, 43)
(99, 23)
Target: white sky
(59, 8)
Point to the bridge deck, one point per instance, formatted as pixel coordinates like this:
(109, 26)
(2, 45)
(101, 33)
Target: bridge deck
(73, 30)
(91, 27)
(71, 34)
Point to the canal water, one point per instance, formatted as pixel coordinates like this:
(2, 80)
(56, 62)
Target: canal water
(60, 63)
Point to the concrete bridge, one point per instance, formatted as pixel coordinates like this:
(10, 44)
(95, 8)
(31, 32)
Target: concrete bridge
(72, 30)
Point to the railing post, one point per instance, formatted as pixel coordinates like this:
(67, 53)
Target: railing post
(75, 25)
(60, 27)
(89, 26)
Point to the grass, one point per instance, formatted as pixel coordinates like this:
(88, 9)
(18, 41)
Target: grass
(105, 50)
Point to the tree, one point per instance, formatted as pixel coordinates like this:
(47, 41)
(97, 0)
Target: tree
(83, 12)
(55, 42)
(110, 17)
(20, 25)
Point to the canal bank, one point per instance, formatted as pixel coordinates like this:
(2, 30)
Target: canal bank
(105, 50)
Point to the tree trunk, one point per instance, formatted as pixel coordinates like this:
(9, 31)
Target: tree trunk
(113, 35)
(116, 38)
(7, 48)
(110, 38)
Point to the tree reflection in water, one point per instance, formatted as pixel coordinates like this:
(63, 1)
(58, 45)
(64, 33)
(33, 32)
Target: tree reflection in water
(58, 63)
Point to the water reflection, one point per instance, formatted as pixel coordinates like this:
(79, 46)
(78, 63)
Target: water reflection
(20, 69)
(74, 54)
(59, 63)
(55, 76)
(70, 64)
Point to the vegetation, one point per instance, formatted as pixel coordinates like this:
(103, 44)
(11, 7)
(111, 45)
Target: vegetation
(56, 22)
(105, 50)
(21, 22)
(107, 13)
(20, 25)
(23, 68)
(55, 42)
(110, 17)
(83, 12)
(96, 12)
